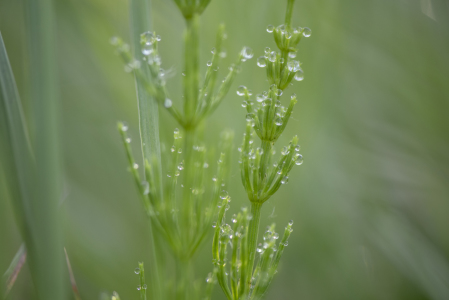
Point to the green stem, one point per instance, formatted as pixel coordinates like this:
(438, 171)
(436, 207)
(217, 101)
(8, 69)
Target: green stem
(288, 14)
(45, 252)
(183, 272)
(148, 119)
(187, 207)
(253, 233)
(266, 147)
(191, 80)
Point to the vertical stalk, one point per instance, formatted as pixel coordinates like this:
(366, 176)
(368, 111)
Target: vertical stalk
(288, 14)
(45, 250)
(253, 233)
(266, 147)
(191, 80)
(187, 207)
(183, 270)
(148, 121)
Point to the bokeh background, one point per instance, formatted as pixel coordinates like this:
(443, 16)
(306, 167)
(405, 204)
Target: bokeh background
(371, 201)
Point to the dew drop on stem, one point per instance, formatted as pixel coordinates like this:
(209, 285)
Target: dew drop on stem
(307, 32)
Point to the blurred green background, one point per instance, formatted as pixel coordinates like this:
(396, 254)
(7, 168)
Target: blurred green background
(371, 201)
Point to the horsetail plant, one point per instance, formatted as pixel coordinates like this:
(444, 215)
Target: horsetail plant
(261, 175)
(183, 213)
(182, 207)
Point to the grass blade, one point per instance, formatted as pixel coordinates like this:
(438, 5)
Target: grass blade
(148, 118)
(76, 293)
(14, 268)
(45, 251)
(16, 154)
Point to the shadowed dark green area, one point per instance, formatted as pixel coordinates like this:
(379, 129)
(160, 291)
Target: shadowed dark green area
(370, 203)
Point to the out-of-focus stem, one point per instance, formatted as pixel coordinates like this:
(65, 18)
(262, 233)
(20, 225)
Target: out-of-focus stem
(148, 120)
(191, 80)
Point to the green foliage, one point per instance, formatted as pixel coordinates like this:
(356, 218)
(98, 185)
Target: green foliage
(184, 215)
(261, 177)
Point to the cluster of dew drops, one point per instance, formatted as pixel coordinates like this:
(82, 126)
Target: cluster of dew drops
(152, 58)
(293, 66)
(140, 287)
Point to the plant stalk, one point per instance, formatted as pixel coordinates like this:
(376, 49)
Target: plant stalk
(253, 233)
(289, 13)
(148, 120)
(191, 80)
(45, 250)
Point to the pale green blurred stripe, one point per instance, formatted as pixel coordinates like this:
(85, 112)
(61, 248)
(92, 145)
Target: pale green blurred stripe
(46, 249)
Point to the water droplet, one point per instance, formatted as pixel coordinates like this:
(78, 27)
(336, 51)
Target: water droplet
(144, 286)
(261, 62)
(266, 102)
(214, 224)
(299, 76)
(137, 271)
(293, 66)
(172, 149)
(259, 250)
(168, 103)
(292, 54)
(128, 140)
(272, 56)
(223, 54)
(297, 30)
(247, 53)
(205, 165)
(276, 235)
(307, 32)
(285, 150)
(209, 63)
(242, 90)
(290, 222)
(278, 121)
(214, 178)
(135, 166)
(224, 194)
(234, 218)
(286, 243)
(270, 28)
(139, 287)
(250, 117)
(244, 103)
(180, 150)
(146, 187)
(284, 180)
(279, 92)
(299, 160)
(124, 126)
(297, 148)
(147, 49)
(213, 50)
(147, 38)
